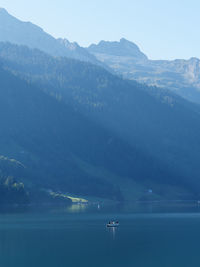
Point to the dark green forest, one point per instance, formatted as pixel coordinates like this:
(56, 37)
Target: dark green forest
(76, 128)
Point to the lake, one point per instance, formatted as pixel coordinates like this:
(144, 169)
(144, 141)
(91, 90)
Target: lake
(149, 235)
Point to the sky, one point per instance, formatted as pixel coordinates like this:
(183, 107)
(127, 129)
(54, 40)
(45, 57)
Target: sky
(163, 29)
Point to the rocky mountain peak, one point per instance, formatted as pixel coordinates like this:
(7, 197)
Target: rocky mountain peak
(121, 48)
(68, 44)
(3, 11)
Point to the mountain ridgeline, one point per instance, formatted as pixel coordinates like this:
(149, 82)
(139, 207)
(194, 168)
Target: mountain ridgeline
(19, 32)
(125, 58)
(122, 58)
(124, 48)
(79, 129)
(69, 126)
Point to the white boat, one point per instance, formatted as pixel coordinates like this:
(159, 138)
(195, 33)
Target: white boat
(113, 224)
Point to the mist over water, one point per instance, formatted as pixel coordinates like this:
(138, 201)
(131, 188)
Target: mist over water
(148, 235)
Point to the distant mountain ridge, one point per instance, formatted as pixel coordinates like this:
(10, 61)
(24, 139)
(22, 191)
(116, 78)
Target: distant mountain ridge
(26, 33)
(121, 48)
(125, 58)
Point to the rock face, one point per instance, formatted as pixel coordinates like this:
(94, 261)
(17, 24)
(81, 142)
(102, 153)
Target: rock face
(124, 57)
(78, 52)
(123, 48)
(25, 33)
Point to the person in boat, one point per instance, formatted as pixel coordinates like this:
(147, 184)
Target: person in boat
(113, 222)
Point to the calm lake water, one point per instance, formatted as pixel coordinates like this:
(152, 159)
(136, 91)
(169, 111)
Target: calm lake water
(149, 235)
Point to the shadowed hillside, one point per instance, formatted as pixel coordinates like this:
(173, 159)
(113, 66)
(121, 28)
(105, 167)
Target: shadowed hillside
(61, 149)
(126, 130)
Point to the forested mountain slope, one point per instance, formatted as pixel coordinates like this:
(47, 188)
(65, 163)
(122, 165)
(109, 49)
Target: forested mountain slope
(59, 148)
(114, 128)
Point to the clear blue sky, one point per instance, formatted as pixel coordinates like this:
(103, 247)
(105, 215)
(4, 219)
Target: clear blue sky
(164, 29)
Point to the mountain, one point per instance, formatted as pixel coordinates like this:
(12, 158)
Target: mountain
(60, 150)
(123, 48)
(125, 58)
(55, 144)
(25, 33)
(78, 52)
(91, 132)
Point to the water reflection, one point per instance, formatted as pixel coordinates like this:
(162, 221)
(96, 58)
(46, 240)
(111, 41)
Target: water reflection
(123, 208)
(76, 208)
(112, 231)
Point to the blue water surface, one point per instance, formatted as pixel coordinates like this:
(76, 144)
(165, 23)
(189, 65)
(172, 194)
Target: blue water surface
(149, 235)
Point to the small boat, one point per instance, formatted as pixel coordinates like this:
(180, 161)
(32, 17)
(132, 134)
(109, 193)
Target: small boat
(113, 224)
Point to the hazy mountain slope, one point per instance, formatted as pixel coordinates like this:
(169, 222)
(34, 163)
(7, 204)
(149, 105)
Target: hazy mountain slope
(163, 128)
(25, 33)
(46, 137)
(181, 76)
(62, 150)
